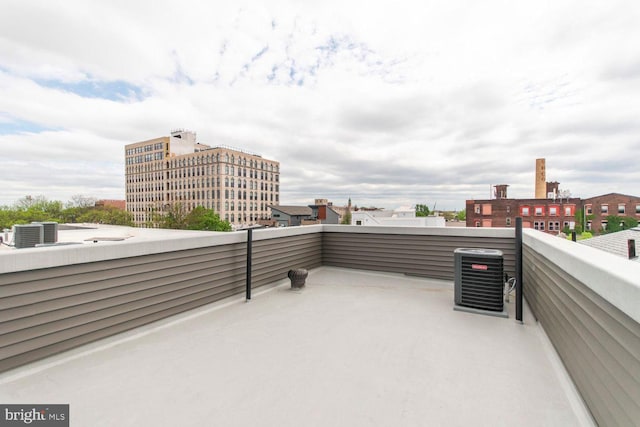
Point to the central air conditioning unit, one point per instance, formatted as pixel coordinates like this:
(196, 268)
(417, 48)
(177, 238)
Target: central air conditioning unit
(479, 285)
(50, 231)
(28, 235)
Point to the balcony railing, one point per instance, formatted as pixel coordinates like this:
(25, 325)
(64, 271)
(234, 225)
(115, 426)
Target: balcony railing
(55, 299)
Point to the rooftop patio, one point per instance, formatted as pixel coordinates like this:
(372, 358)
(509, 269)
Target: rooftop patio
(351, 348)
(154, 331)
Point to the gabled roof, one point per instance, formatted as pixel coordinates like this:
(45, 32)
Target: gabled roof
(293, 210)
(326, 206)
(615, 243)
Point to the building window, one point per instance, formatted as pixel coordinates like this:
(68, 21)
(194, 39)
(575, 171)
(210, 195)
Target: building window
(358, 222)
(588, 209)
(553, 210)
(621, 209)
(486, 209)
(603, 224)
(477, 224)
(637, 209)
(508, 209)
(554, 226)
(569, 211)
(604, 209)
(524, 210)
(539, 210)
(508, 222)
(538, 225)
(477, 209)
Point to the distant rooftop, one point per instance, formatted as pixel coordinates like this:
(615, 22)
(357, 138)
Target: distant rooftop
(293, 210)
(615, 243)
(92, 234)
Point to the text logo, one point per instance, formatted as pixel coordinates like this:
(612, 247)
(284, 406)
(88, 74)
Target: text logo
(34, 415)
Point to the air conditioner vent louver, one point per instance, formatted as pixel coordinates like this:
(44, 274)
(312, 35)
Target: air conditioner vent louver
(28, 235)
(50, 231)
(479, 280)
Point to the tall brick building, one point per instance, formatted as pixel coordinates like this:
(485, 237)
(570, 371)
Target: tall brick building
(238, 185)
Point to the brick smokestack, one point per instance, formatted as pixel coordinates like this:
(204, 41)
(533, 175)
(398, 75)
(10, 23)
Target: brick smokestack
(541, 179)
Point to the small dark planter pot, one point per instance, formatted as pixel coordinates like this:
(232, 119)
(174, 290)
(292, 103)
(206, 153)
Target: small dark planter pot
(297, 277)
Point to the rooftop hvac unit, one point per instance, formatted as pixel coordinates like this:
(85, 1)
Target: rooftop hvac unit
(479, 285)
(28, 235)
(50, 231)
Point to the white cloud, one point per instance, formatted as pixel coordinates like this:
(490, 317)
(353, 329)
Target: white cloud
(391, 104)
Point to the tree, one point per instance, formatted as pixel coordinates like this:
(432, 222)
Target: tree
(81, 201)
(107, 215)
(29, 201)
(201, 218)
(448, 215)
(462, 215)
(175, 217)
(346, 219)
(37, 208)
(29, 209)
(422, 210)
(616, 223)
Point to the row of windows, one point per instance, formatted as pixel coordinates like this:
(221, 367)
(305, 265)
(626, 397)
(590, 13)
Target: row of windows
(148, 196)
(538, 225)
(553, 225)
(604, 209)
(148, 162)
(233, 206)
(553, 210)
(197, 171)
(145, 148)
(146, 158)
(217, 170)
(156, 179)
(144, 167)
(175, 186)
(224, 158)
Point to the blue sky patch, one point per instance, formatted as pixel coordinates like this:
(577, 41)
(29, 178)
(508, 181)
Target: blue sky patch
(117, 90)
(10, 126)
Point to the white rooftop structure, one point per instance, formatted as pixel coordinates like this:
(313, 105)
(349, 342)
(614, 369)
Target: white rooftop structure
(400, 217)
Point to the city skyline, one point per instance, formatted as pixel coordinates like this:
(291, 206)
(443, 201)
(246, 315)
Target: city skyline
(419, 103)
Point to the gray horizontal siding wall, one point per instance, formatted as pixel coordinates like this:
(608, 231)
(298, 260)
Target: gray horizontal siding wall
(273, 258)
(424, 255)
(598, 343)
(46, 311)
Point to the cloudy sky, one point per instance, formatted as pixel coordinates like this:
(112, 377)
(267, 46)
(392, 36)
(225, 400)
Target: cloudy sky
(389, 103)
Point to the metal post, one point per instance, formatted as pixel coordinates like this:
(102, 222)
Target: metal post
(574, 236)
(519, 269)
(249, 245)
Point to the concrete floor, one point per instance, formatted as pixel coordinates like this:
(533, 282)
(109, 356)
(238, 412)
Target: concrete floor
(353, 348)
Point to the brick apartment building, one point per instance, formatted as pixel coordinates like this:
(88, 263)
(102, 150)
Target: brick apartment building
(551, 214)
(599, 207)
